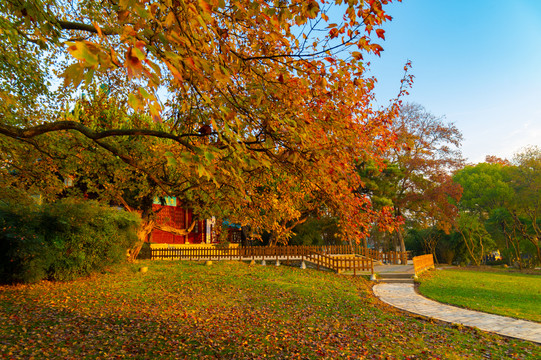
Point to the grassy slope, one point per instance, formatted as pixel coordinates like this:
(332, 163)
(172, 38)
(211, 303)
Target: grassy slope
(228, 310)
(509, 294)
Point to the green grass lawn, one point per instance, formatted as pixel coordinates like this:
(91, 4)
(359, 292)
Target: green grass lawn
(510, 294)
(226, 311)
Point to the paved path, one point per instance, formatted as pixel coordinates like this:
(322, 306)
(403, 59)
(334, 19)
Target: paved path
(395, 268)
(403, 296)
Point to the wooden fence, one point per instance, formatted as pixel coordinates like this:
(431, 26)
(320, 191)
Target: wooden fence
(360, 259)
(250, 252)
(342, 263)
(272, 252)
(194, 253)
(422, 263)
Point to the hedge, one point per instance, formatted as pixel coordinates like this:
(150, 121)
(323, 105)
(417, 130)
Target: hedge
(63, 240)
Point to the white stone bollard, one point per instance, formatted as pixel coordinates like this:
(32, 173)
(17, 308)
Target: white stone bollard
(303, 265)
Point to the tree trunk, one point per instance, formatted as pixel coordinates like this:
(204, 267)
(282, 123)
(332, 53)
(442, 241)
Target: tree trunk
(273, 239)
(402, 245)
(142, 235)
(470, 248)
(397, 213)
(516, 249)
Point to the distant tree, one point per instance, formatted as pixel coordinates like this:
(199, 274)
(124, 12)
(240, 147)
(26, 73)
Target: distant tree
(501, 226)
(485, 188)
(525, 207)
(475, 236)
(486, 196)
(426, 154)
(380, 185)
(505, 197)
(491, 159)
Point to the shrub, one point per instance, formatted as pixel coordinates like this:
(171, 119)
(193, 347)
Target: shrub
(62, 240)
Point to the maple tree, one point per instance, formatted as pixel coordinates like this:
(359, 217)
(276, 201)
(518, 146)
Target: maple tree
(253, 110)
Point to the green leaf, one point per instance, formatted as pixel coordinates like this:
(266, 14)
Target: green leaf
(88, 76)
(139, 53)
(209, 156)
(133, 101)
(171, 161)
(144, 93)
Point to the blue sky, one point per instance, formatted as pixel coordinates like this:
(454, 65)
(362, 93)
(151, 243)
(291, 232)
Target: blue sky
(476, 62)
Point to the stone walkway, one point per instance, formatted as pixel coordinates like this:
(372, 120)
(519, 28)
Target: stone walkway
(403, 296)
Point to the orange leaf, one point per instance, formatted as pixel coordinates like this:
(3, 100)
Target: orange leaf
(207, 8)
(377, 49)
(132, 63)
(98, 29)
(174, 71)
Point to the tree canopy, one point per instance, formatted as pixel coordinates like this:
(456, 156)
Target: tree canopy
(257, 110)
(504, 198)
(417, 181)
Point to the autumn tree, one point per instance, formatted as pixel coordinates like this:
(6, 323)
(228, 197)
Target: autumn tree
(427, 152)
(254, 110)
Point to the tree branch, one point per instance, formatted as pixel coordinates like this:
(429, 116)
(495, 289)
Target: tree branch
(28, 133)
(172, 230)
(69, 25)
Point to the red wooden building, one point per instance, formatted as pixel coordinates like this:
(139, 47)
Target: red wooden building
(173, 214)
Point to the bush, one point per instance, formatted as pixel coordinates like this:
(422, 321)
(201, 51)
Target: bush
(63, 240)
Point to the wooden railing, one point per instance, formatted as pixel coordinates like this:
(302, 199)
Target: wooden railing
(270, 252)
(340, 264)
(422, 263)
(194, 253)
